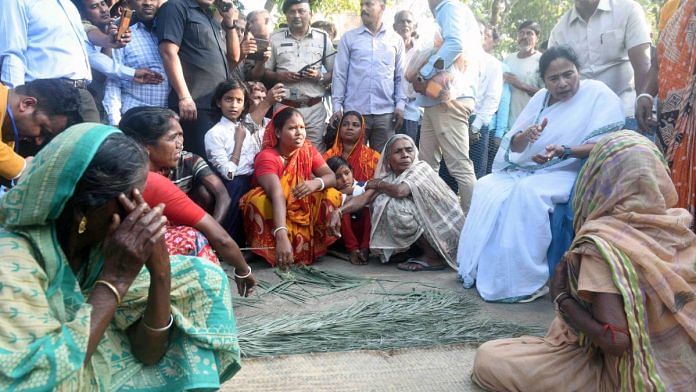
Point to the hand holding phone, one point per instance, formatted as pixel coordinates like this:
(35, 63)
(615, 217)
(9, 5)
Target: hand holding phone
(124, 24)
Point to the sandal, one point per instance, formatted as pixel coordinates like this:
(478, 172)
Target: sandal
(415, 265)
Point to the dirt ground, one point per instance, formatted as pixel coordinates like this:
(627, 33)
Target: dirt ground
(442, 368)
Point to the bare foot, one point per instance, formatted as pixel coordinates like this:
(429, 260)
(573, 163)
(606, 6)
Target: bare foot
(365, 254)
(356, 258)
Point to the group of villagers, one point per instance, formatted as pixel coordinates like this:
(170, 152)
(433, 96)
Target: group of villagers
(114, 249)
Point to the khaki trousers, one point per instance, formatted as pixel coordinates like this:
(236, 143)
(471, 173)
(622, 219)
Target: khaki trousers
(445, 134)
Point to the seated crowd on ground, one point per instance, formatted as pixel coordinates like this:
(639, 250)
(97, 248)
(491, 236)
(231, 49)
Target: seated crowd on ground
(134, 162)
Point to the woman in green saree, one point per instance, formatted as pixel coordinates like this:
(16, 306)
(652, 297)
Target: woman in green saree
(77, 309)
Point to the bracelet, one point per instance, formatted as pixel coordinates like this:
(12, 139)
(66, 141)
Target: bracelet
(243, 276)
(279, 229)
(183, 98)
(169, 325)
(560, 298)
(236, 156)
(646, 95)
(322, 184)
(379, 183)
(112, 288)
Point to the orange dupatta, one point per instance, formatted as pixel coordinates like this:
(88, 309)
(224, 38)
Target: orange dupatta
(362, 159)
(677, 61)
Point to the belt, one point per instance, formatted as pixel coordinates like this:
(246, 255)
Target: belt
(77, 83)
(301, 104)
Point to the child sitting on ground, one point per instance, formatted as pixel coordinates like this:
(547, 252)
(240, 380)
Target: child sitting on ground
(355, 228)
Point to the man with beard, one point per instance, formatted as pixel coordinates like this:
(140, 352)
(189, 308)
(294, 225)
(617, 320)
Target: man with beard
(141, 53)
(368, 73)
(523, 67)
(297, 55)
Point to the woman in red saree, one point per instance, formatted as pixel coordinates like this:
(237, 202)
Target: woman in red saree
(285, 217)
(350, 145)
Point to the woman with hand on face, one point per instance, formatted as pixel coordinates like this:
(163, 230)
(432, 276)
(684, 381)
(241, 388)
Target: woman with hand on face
(91, 298)
(503, 244)
(285, 217)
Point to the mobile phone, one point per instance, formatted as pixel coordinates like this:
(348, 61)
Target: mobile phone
(126, 16)
(261, 46)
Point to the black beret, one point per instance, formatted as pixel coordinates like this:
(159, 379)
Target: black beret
(288, 3)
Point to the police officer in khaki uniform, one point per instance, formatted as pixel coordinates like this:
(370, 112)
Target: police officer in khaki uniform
(293, 49)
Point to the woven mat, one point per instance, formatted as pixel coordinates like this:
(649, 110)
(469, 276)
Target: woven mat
(445, 368)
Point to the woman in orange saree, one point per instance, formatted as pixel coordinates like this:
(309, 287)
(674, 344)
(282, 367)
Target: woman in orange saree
(285, 216)
(673, 79)
(350, 145)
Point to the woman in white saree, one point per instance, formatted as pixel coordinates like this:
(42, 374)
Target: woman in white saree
(503, 245)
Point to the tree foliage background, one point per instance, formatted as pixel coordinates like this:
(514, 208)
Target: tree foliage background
(505, 15)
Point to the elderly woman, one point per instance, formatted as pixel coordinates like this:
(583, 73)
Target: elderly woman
(410, 206)
(505, 239)
(285, 217)
(625, 293)
(350, 145)
(91, 300)
(159, 131)
(192, 231)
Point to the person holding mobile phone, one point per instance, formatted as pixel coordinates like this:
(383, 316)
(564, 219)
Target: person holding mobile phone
(297, 54)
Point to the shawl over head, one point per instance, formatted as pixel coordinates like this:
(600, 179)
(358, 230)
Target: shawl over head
(624, 207)
(361, 158)
(432, 209)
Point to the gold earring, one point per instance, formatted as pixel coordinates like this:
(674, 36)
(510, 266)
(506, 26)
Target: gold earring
(83, 225)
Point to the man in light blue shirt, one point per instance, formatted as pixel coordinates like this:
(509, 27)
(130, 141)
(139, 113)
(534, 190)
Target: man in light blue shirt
(367, 75)
(44, 39)
(445, 127)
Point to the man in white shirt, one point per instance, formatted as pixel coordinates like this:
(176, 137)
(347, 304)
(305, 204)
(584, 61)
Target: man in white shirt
(612, 41)
(490, 90)
(524, 75)
(44, 39)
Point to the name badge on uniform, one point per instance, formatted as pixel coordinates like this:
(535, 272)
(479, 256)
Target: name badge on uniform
(286, 44)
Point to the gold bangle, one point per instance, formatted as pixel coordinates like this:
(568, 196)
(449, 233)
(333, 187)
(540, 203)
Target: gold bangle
(112, 288)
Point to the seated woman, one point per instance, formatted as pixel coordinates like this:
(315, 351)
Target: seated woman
(350, 145)
(625, 293)
(285, 217)
(159, 131)
(234, 141)
(96, 302)
(355, 228)
(410, 206)
(191, 230)
(507, 233)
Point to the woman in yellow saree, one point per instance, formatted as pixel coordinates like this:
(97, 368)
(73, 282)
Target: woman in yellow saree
(285, 217)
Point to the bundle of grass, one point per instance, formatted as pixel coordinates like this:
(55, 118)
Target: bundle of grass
(413, 319)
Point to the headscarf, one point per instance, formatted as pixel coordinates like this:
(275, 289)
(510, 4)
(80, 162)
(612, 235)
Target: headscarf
(432, 207)
(361, 158)
(624, 207)
(31, 209)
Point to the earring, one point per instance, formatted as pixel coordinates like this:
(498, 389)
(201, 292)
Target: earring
(83, 225)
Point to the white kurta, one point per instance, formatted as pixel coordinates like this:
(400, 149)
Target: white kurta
(503, 245)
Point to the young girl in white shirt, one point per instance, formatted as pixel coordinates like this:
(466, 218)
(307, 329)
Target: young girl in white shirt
(234, 141)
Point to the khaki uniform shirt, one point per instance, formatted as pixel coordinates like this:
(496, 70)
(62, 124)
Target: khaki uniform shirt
(290, 54)
(602, 44)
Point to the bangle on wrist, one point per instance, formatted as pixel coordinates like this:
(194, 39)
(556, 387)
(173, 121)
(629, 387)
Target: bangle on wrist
(562, 296)
(277, 229)
(646, 95)
(111, 287)
(169, 325)
(322, 184)
(184, 98)
(248, 274)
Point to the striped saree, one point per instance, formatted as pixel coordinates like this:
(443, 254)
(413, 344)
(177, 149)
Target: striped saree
(44, 313)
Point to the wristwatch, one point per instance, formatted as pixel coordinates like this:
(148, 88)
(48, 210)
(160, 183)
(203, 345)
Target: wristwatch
(233, 27)
(566, 152)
